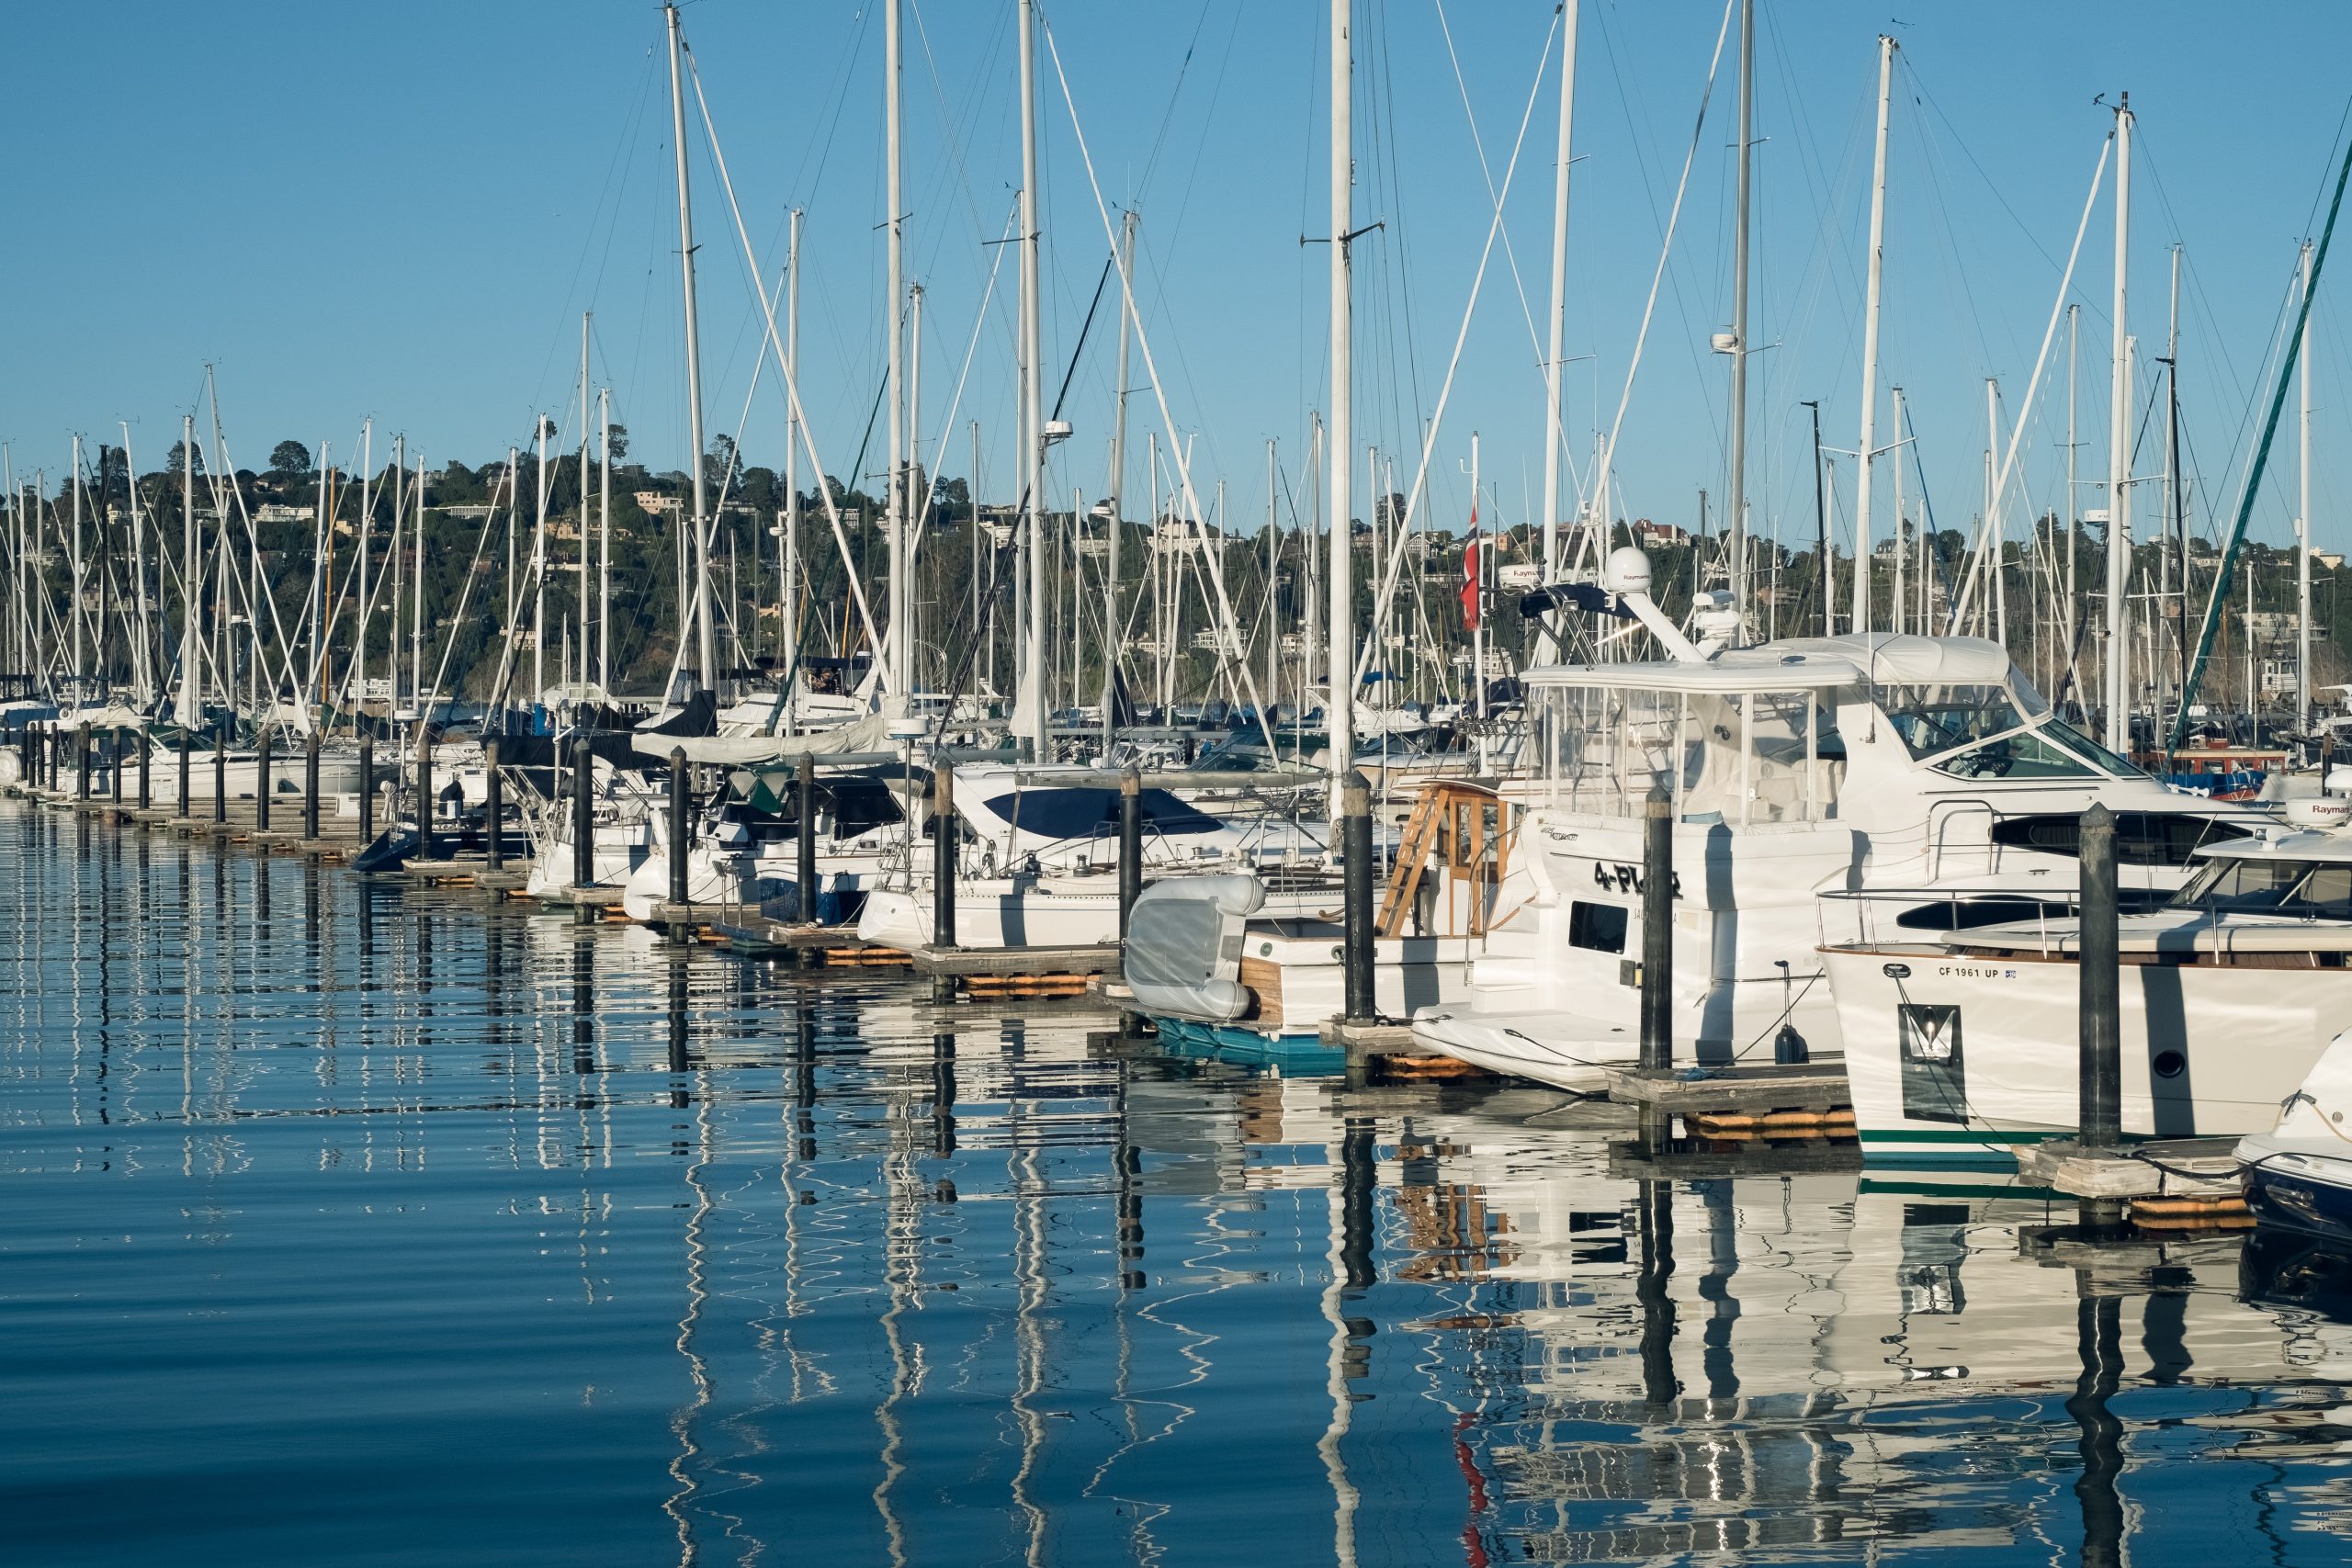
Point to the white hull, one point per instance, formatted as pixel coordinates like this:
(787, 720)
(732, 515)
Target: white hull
(2208, 1049)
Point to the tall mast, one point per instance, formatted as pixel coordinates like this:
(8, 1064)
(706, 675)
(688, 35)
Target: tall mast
(604, 543)
(191, 596)
(1031, 701)
(2118, 449)
(1736, 493)
(1899, 622)
(895, 525)
(1546, 649)
(1868, 449)
(416, 605)
(140, 663)
(1340, 640)
(2302, 517)
(917, 489)
(76, 557)
(2073, 528)
(2159, 608)
(790, 612)
(581, 578)
(366, 514)
(539, 565)
(1117, 524)
(705, 643)
(1274, 566)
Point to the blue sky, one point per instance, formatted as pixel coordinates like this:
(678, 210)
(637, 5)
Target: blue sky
(400, 212)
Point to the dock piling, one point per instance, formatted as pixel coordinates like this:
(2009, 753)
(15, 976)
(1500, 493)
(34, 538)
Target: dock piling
(366, 791)
(261, 781)
(146, 783)
(424, 793)
(1130, 843)
(942, 872)
(221, 776)
(1657, 952)
(583, 828)
(1355, 847)
(2099, 970)
(82, 761)
(311, 787)
(679, 840)
(804, 837)
(114, 765)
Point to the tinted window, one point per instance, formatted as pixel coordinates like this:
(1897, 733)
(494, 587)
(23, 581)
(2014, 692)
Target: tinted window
(861, 804)
(1083, 813)
(2142, 838)
(1600, 927)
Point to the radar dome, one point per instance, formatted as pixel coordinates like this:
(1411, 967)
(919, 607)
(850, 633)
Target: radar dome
(1628, 571)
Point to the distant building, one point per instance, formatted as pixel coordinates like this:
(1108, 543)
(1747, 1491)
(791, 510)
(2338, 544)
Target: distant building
(278, 512)
(1649, 532)
(654, 501)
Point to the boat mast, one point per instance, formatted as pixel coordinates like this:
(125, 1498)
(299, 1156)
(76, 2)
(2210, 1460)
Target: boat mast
(789, 621)
(917, 488)
(1547, 646)
(603, 542)
(1030, 720)
(581, 577)
(1273, 565)
(190, 597)
(1736, 493)
(705, 646)
(2073, 525)
(1899, 620)
(2168, 537)
(1339, 638)
(895, 509)
(76, 557)
(1867, 451)
(416, 605)
(2119, 448)
(2302, 518)
(1118, 496)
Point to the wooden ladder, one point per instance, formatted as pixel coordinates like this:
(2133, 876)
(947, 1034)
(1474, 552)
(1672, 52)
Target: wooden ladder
(1424, 831)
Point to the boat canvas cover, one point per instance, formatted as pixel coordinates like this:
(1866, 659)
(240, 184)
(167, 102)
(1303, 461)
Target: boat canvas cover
(1183, 949)
(865, 735)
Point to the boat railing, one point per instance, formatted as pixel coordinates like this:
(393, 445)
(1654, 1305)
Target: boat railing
(1873, 915)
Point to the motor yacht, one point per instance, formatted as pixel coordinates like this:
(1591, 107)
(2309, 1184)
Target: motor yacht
(1961, 1044)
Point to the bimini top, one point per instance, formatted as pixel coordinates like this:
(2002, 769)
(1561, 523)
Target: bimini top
(1805, 663)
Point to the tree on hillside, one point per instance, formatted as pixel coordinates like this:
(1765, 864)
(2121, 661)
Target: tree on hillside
(289, 460)
(620, 442)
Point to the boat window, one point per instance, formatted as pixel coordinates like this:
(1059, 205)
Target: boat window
(1932, 719)
(860, 804)
(1080, 813)
(2142, 838)
(1600, 927)
(2024, 755)
(2327, 891)
(2082, 745)
(2240, 885)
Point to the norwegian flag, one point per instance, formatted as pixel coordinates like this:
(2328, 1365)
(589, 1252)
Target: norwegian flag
(1470, 578)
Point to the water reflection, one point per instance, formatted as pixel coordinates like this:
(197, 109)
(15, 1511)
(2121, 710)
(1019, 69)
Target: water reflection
(496, 1238)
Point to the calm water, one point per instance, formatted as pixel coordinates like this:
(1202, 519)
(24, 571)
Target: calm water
(340, 1226)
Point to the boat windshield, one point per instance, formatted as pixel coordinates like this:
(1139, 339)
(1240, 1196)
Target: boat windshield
(1975, 731)
(2235, 884)
(1932, 721)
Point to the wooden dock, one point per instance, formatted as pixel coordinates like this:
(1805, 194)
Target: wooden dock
(2168, 1184)
(1037, 973)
